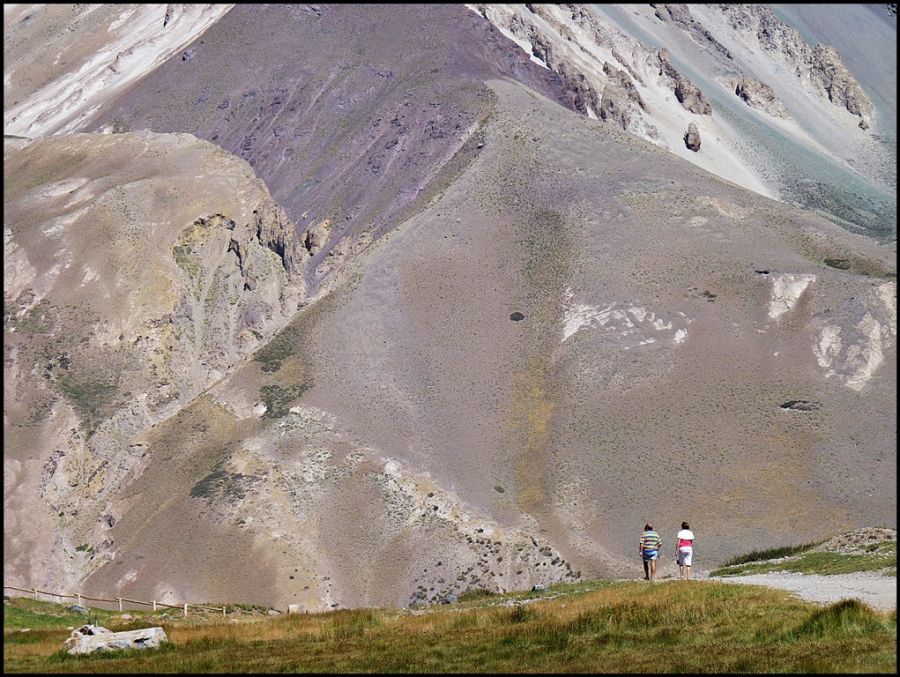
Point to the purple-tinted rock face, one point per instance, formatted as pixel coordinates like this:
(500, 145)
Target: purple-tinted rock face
(347, 113)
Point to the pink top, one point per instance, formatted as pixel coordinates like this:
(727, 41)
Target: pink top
(685, 539)
(685, 543)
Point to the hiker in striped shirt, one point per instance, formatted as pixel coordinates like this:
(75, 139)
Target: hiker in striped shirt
(649, 548)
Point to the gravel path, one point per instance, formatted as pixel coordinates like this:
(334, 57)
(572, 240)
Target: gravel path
(879, 592)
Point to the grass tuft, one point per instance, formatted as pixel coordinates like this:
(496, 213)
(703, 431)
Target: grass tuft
(475, 594)
(847, 617)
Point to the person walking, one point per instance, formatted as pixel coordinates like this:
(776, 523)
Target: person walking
(649, 549)
(684, 551)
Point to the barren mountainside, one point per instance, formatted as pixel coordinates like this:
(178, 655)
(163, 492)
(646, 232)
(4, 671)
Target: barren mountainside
(366, 305)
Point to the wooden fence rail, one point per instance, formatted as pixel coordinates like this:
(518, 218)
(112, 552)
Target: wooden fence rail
(118, 600)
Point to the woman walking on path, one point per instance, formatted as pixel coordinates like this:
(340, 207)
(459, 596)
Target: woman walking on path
(649, 549)
(684, 551)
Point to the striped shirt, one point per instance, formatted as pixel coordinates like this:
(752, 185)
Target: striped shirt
(650, 540)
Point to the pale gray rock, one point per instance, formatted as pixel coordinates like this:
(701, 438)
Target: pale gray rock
(614, 106)
(90, 638)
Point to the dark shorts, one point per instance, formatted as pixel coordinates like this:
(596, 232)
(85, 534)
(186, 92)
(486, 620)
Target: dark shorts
(649, 554)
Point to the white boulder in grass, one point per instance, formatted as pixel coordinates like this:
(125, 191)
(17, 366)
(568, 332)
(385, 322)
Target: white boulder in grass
(90, 638)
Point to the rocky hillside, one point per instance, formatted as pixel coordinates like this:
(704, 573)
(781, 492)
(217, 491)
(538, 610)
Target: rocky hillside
(781, 114)
(139, 269)
(303, 320)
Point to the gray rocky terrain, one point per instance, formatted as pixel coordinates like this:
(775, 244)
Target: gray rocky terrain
(300, 318)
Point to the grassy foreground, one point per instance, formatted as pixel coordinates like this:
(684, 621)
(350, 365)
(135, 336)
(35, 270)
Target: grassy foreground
(596, 626)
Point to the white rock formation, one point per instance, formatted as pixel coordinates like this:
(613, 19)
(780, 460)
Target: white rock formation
(853, 354)
(89, 638)
(629, 324)
(786, 291)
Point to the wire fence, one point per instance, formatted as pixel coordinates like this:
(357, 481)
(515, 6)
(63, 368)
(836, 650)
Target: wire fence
(120, 601)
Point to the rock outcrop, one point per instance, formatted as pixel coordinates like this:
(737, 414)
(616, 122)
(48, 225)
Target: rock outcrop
(608, 90)
(692, 138)
(687, 93)
(759, 95)
(620, 79)
(317, 236)
(828, 72)
(680, 15)
(818, 67)
(584, 95)
(277, 232)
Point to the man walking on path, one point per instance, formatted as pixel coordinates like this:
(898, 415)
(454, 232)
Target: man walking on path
(649, 549)
(684, 551)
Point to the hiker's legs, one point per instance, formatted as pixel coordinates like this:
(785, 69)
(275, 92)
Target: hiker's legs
(680, 571)
(685, 558)
(652, 569)
(646, 570)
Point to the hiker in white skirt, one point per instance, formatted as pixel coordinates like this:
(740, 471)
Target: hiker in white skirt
(684, 551)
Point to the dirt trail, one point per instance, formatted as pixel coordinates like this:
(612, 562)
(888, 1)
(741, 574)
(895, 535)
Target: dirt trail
(879, 592)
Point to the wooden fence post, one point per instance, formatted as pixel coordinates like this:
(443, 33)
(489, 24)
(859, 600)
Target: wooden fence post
(34, 593)
(119, 599)
(223, 612)
(154, 605)
(79, 599)
(185, 608)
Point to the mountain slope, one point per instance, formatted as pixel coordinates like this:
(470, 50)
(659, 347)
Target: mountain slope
(62, 62)
(512, 334)
(678, 337)
(346, 130)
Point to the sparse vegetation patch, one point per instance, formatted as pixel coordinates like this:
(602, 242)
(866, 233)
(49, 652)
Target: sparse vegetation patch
(840, 264)
(805, 560)
(278, 398)
(91, 398)
(771, 553)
